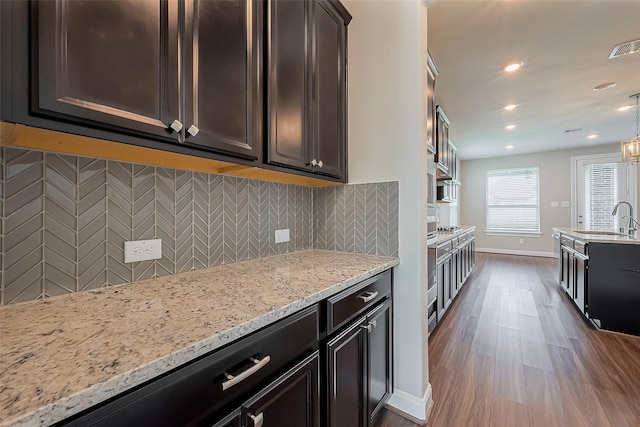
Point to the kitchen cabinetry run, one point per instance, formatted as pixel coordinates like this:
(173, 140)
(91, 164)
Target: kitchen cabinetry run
(455, 258)
(186, 72)
(358, 355)
(340, 347)
(307, 54)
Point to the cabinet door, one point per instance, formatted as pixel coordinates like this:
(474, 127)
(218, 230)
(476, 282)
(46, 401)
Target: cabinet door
(289, 83)
(378, 359)
(291, 400)
(111, 63)
(431, 111)
(345, 363)
(581, 278)
(447, 283)
(329, 127)
(222, 76)
(441, 275)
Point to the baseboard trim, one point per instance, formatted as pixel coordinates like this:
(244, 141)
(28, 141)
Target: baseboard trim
(410, 407)
(516, 252)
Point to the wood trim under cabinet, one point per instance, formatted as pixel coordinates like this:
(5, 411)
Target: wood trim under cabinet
(28, 137)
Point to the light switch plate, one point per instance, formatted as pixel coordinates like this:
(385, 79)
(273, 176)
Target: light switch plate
(142, 250)
(566, 204)
(554, 204)
(282, 236)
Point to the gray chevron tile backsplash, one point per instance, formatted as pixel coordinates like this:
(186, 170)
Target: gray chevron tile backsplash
(360, 218)
(65, 220)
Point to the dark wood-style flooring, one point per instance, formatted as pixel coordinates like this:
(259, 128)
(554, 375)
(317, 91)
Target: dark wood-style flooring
(513, 352)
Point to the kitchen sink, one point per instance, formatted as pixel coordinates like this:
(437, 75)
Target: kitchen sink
(599, 233)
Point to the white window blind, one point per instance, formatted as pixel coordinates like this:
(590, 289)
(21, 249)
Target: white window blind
(601, 192)
(513, 200)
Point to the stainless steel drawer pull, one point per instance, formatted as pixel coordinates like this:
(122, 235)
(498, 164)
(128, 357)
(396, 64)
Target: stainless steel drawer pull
(257, 419)
(368, 296)
(235, 379)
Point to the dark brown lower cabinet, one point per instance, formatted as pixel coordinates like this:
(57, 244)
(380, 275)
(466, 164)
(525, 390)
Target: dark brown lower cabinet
(359, 363)
(291, 400)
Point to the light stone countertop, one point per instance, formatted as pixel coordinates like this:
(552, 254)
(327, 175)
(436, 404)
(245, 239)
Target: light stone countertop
(65, 354)
(444, 236)
(595, 238)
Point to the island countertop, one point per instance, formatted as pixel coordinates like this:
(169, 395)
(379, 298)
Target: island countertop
(62, 355)
(598, 238)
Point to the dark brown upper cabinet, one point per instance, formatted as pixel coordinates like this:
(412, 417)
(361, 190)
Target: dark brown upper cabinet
(307, 109)
(432, 74)
(182, 71)
(442, 143)
(223, 109)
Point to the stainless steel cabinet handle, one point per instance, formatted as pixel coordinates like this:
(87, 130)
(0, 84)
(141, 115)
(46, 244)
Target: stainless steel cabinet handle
(176, 125)
(368, 296)
(257, 419)
(320, 164)
(233, 380)
(367, 327)
(193, 130)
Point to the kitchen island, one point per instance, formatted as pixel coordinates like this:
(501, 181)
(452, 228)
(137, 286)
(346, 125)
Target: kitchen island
(600, 272)
(63, 355)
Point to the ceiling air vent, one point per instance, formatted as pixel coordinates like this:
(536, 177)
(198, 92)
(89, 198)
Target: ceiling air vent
(625, 49)
(573, 130)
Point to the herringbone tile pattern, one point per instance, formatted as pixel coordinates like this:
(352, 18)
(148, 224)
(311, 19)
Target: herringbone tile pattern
(360, 218)
(64, 221)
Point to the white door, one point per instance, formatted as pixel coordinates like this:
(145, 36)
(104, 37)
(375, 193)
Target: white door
(600, 183)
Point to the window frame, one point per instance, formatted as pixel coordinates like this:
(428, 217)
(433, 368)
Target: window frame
(513, 232)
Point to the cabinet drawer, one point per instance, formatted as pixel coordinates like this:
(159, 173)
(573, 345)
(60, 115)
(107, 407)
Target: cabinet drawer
(346, 305)
(432, 294)
(201, 390)
(566, 241)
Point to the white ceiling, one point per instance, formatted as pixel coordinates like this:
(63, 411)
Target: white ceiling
(564, 46)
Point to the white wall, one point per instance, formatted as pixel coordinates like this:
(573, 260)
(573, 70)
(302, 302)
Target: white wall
(387, 75)
(555, 185)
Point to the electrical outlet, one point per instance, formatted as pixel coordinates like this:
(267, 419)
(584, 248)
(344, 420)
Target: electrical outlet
(566, 204)
(554, 204)
(522, 241)
(282, 236)
(142, 250)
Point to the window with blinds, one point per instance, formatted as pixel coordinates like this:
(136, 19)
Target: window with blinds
(513, 200)
(601, 192)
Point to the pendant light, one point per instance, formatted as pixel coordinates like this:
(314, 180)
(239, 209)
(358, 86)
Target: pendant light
(631, 148)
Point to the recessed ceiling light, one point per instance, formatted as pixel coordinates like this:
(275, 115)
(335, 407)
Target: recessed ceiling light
(509, 147)
(604, 86)
(510, 107)
(625, 108)
(509, 127)
(513, 67)
(592, 136)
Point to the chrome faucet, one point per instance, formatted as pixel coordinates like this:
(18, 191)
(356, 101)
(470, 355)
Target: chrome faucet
(632, 228)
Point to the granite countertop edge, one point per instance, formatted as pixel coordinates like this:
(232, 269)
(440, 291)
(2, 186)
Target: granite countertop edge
(97, 393)
(623, 239)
